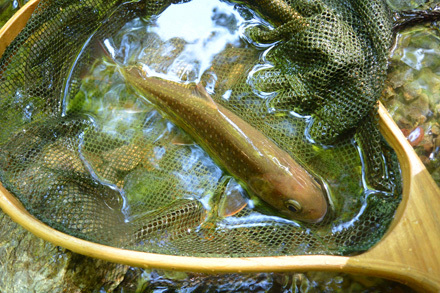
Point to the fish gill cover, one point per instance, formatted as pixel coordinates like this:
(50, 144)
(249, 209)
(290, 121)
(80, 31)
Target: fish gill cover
(88, 154)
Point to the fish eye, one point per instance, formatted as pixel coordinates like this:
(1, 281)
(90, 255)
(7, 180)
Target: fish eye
(293, 206)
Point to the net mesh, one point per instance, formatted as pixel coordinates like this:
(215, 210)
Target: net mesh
(87, 154)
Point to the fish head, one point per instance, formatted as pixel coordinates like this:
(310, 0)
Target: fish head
(297, 199)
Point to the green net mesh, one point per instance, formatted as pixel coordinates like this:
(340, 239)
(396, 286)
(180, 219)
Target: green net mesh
(88, 154)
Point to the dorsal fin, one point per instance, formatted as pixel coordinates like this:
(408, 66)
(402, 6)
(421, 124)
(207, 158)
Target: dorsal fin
(200, 91)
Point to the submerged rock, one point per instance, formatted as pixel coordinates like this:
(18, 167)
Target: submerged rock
(412, 94)
(30, 264)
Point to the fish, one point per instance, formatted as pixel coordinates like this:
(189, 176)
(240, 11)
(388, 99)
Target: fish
(262, 167)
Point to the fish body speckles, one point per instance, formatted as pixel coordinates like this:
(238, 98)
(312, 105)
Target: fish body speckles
(242, 150)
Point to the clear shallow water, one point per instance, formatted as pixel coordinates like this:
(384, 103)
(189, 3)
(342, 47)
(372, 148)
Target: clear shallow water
(181, 43)
(313, 282)
(412, 93)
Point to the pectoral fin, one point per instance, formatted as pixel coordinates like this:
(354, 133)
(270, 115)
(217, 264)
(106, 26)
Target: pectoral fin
(231, 204)
(182, 139)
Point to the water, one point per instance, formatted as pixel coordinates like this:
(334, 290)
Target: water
(167, 281)
(412, 94)
(123, 113)
(8, 8)
(152, 163)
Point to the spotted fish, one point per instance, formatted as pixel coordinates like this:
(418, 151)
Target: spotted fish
(258, 163)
